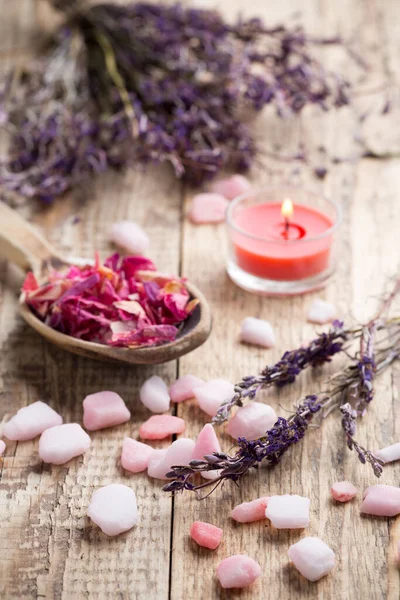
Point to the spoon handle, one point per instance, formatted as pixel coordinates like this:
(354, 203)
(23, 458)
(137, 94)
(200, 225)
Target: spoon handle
(21, 243)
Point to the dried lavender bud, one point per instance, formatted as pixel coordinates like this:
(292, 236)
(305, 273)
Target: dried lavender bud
(349, 426)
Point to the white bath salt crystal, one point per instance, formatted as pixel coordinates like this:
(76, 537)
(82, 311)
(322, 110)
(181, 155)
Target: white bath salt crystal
(252, 421)
(381, 501)
(30, 421)
(231, 187)
(130, 236)
(179, 453)
(104, 409)
(156, 465)
(257, 332)
(59, 444)
(389, 454)
(154, 395)
(182, 388)
(212, 394)
(113, 508)
(312, 557)
(321, 312)
(208, 208)
(2, 447)
(343, 491)
(238, 571)
(288, 511)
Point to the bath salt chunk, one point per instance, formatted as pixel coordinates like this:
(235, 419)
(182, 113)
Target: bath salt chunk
(206, 535)
(154, 395)
(30, 421)
(63, 442)
(288, 511)
(238, 571)
(179, 453)
(130, 236)
(257, 332)
(208, 208)
(2, 447)
(207, 443)
(321, 312)
(156, 466)
(247, 512)
(252, 421)
(159, 427)
(212, 394)
(104, 409)
(135, 455)
(389, 454)
(381, 501)
(113, 508)
(231, 187)
(312, 557)
(182, 388)
(343, 491)
(214, 474)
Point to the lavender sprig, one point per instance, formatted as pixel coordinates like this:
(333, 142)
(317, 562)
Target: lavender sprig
(349, 416)
(319, 351)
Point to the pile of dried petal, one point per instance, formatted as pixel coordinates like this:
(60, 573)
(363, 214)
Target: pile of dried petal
(114, 303)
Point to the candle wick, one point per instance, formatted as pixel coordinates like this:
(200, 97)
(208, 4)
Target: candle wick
(287, 225)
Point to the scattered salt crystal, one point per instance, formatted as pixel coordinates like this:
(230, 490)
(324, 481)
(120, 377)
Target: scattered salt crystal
(288, 511)
(154, 395)
(238, 571)
(179, 453)
(30, 421)
(156, 466)
(231, 187)
(135, 455)
(182, 388)
(312, 557)
(257, 332)
(250, 511)
(2, 447)
(208, 208)
(343, 491)
(389, 454)
(381, 501)
(113, 508)
(252, 421)
(130, 236)
(207, 443)
(104, 409)
(59, 444)
(212, 394)
(321, 312)
(159, 427)
(206, 535)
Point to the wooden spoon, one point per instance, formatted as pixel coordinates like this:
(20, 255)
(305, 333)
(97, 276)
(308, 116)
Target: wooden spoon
(23, 245)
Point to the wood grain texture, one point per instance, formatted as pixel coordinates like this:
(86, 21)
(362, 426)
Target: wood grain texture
(48, 548)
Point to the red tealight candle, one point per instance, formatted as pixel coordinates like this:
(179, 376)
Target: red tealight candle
(280, 247)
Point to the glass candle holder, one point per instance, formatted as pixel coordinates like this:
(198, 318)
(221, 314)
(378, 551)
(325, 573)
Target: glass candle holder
(281, 240)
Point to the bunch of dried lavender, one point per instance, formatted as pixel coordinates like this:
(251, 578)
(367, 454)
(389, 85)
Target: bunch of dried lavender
(143, 83)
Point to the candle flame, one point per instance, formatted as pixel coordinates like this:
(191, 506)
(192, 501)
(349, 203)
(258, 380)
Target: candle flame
(287, 208)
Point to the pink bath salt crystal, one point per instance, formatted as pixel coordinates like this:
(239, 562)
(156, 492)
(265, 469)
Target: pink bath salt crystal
(2, 447)
(238, 571)
(104, 409)
(252, 421)
(312, 557)
(247, 512)
(113, 508)
(206, 535)
(381, 501)
(257, 332)
(30, 421)
(208, 208)
(130, 236)
(159, 427)
(288, 511)
(179, 453)
(154, 395)
(156, 467)
(63, 442)
(207, 443)
(182, 388)
(321, 312)
(343, 491)
(135, 455)
(389, 454)
(212, 394)
(231, 187)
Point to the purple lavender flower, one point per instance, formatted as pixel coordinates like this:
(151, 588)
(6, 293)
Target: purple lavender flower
(349, 416)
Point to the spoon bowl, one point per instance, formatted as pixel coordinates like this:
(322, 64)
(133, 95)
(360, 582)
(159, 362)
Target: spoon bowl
(22, 244)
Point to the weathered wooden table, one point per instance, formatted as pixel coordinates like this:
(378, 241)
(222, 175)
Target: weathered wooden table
(48, 547)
